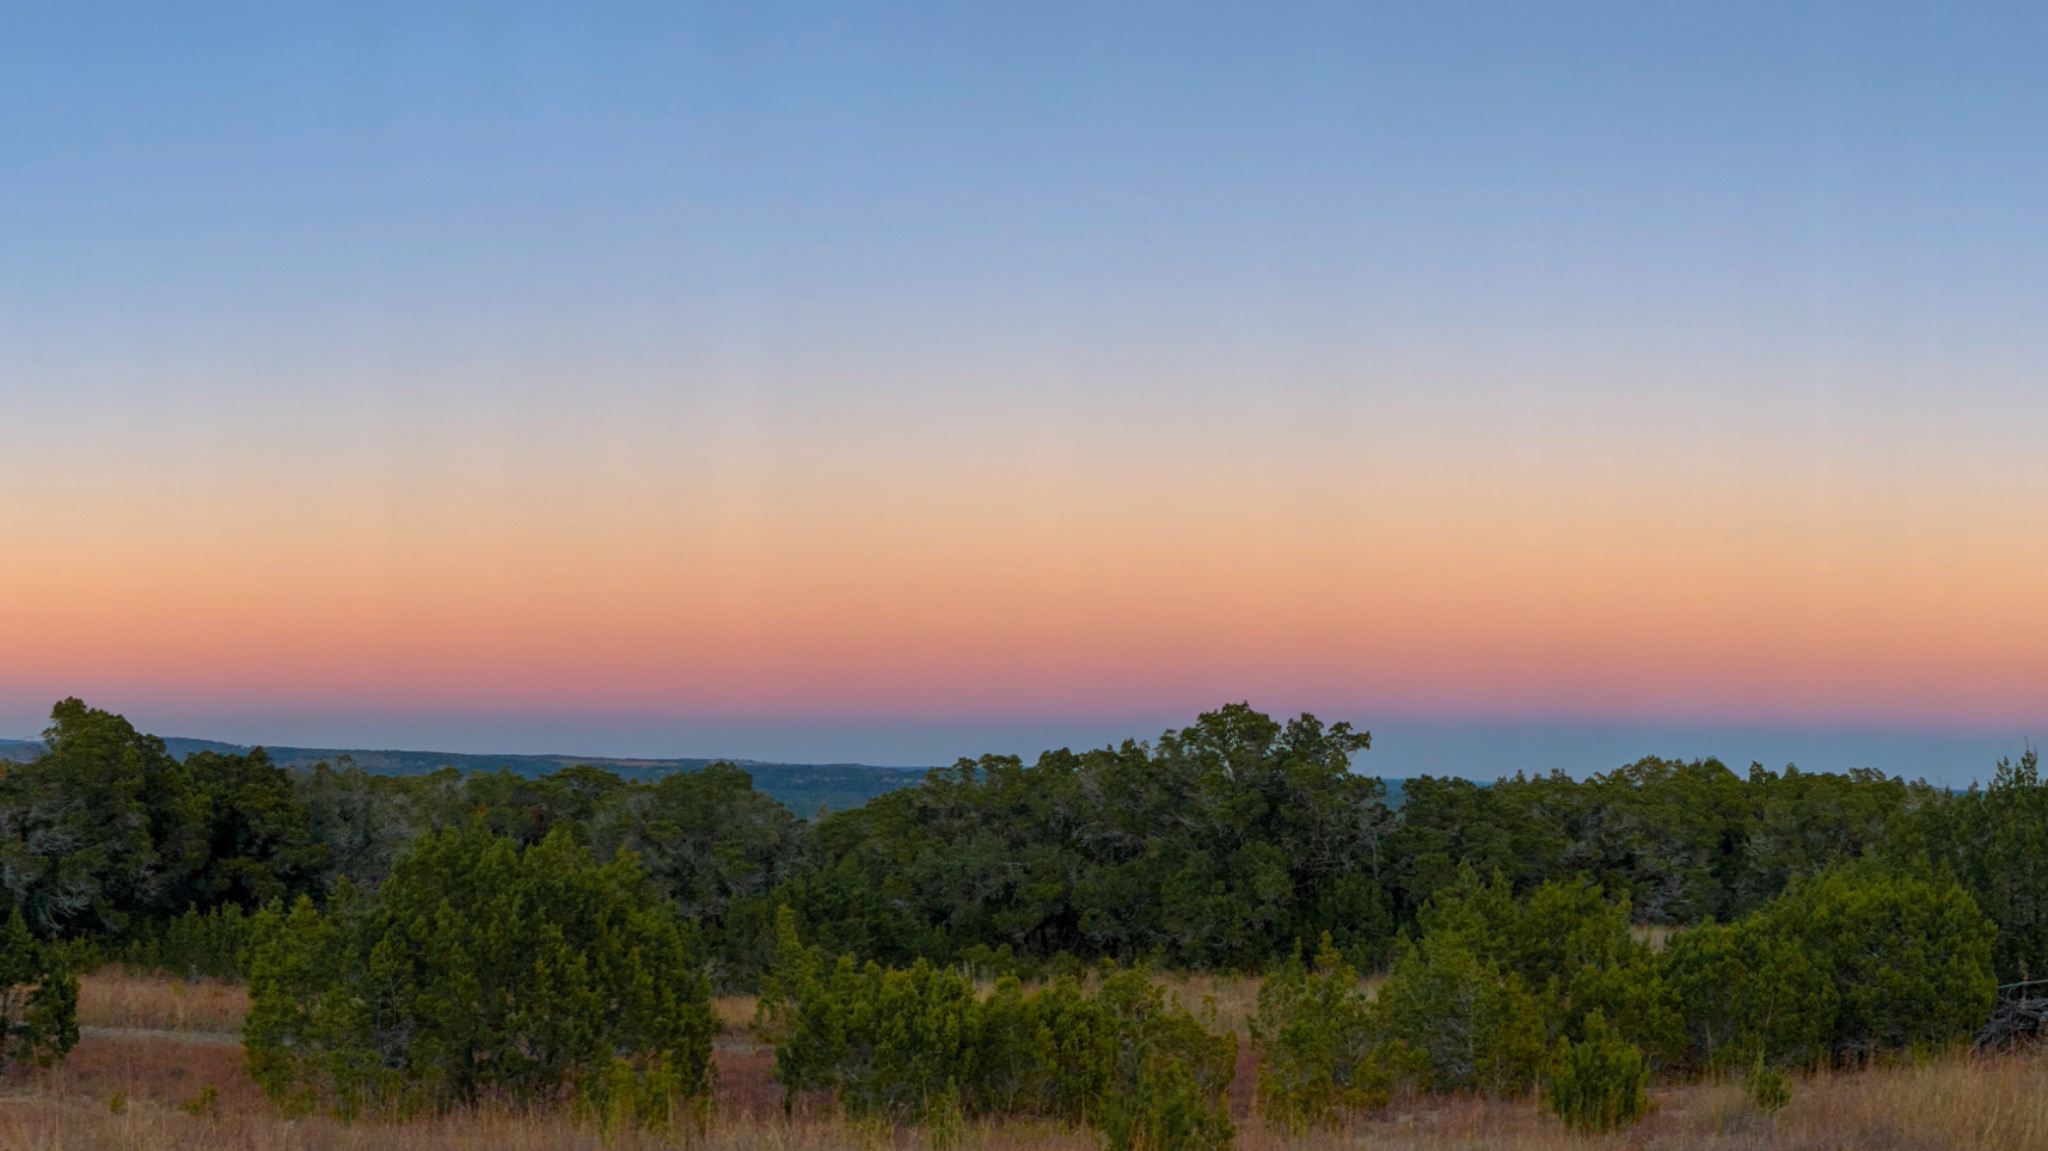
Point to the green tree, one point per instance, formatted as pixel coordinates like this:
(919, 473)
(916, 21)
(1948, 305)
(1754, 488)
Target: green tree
(916, 1045)
(362, 822)
(482, 968)
(1452, 1020)
(38, 999)
(1599, 1083)
(1224, 844)
(1910, 957)
(1801, 822)
(1748, 992)
(1995, 840)
(1317, 1035)
(231, 829)
(1856, 961)
(76, 851)
(718, 848)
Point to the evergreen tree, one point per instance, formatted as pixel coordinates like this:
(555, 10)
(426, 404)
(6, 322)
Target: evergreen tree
(1598, 1083)
(482, 968)
(38, 999)
(1317, 1035)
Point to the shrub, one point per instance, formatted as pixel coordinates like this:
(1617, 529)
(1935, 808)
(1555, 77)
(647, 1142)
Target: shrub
(1166, 1087)
(1767, 1087)
(1749, 992)
(1569, 945)
(38, 999)
(1856, 961)
(211, 943)
(1167, 1107)
(1599, 1083)
(1452, 1021)
(1317, 1036)
(480, 969)
(916, 1045)
(1910, 957)
(893, 1044)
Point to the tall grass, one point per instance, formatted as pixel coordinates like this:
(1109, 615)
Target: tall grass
(114, 997)
(1959, 1103)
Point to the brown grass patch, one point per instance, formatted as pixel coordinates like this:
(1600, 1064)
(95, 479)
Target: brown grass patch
(1235, 998)
(168, 1059)
(1656, 935)
(112, 997)
(735, 1013)
(1958, 1104)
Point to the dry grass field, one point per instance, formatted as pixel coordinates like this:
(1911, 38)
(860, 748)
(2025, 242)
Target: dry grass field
(138, 1082)
(113, 998)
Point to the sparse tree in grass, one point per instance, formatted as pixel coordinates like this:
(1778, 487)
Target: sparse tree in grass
(1317, 1036)
(38, 999)
(916, 1045)
(1598, 1083)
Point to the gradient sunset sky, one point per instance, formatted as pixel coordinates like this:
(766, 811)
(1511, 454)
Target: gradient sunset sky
(1536, 385)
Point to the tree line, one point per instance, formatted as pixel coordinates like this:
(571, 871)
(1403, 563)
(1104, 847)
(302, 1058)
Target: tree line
(1231, 844)
(434, 940)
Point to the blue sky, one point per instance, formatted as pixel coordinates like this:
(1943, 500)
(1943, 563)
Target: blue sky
(1618, 368)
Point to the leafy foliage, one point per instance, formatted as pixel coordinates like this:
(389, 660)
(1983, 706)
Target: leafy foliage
(1826, 918)
(917, 1045)
(212, 943)
(1767, 1088)
(483, 969)
(1860, 960)
(1599, 1083)
(38, 999)
(1452, 1019)
(1225, 843)
(1317, 1035)
(1995, 841)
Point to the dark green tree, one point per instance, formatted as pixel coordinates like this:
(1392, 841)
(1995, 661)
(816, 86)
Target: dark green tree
(76, 850)
(1598, 1083)
(1317, 1035)
(1860, 960)
(232, 829)
(38, 999)
(483, 968)
(717, 847)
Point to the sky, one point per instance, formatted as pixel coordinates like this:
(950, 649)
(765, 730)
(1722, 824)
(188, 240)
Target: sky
(1535, 385)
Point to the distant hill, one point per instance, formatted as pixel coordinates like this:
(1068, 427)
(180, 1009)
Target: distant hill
(804, 788)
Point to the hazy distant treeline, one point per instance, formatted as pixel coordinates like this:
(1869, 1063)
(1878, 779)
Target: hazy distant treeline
(1232, 843)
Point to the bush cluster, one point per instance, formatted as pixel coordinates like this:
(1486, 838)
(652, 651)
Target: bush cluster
(1317, 1038)
(1859, 961)
(1498, 993)
(484, 970)
(211, 943)
(1600, 1083)
(38, 999)
(918, 1045)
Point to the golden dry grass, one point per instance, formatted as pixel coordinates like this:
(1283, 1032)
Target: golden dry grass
(1959, 1104)
(113, 997)
(735, 1013)
(1956, 1104)
(1657, 936)
(1235, 998)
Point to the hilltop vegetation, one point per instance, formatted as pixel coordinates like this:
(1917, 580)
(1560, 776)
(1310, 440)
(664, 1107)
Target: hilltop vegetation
(805, 788)
(427, 942)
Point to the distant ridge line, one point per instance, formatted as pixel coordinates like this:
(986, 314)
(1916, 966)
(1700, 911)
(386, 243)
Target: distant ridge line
(804, 788)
